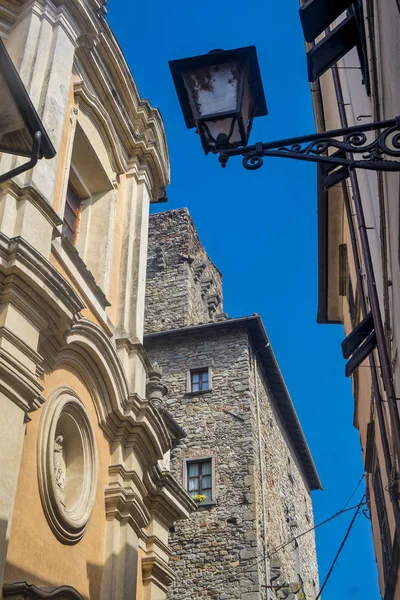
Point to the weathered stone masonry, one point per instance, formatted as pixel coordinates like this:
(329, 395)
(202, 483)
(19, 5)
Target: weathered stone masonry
(183, 286)
(263, 471)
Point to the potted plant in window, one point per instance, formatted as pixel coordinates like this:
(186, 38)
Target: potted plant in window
(199, 498)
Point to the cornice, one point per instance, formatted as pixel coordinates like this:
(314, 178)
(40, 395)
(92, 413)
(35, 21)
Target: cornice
(21, 345)
(124, 504)
(17, 257)
(125, 417)
(68, 255)
(30, 194)
(22, 590)
(18, 384)
(136, 346)
(9, 10)
(166, 496)
(55, 13)
(157, 571)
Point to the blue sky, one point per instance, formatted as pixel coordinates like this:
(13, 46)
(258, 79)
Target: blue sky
(260, 228)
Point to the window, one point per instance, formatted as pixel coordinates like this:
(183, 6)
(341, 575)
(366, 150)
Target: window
(90, 198)
(199, 478)
(73, 205)
(384, 530)
(199, 380)
(316, 16)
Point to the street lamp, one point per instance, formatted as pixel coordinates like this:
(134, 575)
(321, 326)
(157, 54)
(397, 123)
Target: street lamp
(21, 130)
(221, 92)
(208, 87)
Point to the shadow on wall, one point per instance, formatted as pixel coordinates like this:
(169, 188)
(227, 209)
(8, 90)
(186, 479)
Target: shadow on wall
(18, 582)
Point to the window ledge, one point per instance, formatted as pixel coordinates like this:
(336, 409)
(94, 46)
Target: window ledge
(199, 393)
(208, 504)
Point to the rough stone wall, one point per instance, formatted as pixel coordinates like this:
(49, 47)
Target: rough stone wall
(218, 552)
(215, 550)
(288, 502)
(183, 286)
(213, 557)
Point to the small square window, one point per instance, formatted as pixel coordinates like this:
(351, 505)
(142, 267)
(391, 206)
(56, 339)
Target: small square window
(199, 380)
(199, 478)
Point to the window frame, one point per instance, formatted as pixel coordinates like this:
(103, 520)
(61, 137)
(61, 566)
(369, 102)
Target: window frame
(189, 380)
(74, 230)
(382, 521)
(346, 34)
(200, 459)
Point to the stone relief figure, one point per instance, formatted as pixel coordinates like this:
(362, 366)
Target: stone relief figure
(60, 468)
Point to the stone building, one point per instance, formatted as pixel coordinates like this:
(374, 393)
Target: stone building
(244, 455)
(85, 507)
(355, 79)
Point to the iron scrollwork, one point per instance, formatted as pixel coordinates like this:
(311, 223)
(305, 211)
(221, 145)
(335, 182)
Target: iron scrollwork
(326, 148)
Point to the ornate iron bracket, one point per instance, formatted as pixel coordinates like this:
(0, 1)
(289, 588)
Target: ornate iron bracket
(318, 148)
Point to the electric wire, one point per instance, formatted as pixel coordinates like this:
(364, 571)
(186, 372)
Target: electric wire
(355, 490)
(296, 537)
(340, 548)
(292, 539)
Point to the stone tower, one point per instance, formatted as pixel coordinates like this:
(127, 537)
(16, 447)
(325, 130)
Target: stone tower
(244, 458)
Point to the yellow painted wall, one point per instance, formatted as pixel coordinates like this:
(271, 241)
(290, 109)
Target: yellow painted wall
(32, 539)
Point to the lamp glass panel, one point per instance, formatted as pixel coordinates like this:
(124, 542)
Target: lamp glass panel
(224, 126)
(14, 137)
(247, 108)
(213, 89)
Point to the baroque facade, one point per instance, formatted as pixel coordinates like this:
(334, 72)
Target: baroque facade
(85, 506)
(241, 454)
(356, 79)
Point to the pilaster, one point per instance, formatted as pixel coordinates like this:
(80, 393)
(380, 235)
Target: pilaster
(34, 302)
(126, 516)
(132, 283)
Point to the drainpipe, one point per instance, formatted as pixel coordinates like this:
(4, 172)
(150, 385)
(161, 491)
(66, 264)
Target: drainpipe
(261, 455)
(376, 314)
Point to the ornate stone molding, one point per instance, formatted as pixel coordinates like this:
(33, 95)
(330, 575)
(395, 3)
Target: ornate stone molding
(126, 418)
(156, 571)
(46, 305)
(124, 498)
(24, 591)
(166, 496)
(25, 265)
(34, 197)
(67, 465)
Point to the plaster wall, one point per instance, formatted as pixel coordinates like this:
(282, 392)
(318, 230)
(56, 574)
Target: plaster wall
(380, 199)
(35, 554)
(83, 301)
